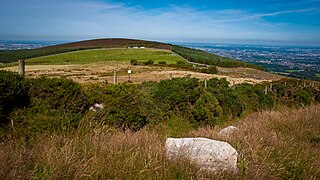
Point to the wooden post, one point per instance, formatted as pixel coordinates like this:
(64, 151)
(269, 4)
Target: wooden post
(205, 83)
(266, 90)
(270, 89)
(170, 76)
(22, 67)
(129, 73)
(114, 75)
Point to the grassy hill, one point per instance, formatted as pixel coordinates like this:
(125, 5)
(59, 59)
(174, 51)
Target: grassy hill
(114, 54)
(191, 55)
(111, 43)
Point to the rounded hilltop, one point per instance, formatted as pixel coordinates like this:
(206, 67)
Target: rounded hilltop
(113, 43)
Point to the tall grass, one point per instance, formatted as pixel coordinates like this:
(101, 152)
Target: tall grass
(271, 144)
(99, 153)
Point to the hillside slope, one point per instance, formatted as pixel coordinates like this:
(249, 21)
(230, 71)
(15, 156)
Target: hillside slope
(191, 55)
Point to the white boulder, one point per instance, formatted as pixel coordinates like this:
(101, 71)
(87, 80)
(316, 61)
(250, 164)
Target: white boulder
(228, 130)
(209, 154)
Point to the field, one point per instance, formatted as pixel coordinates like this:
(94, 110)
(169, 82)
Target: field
(103, 72)
(102, 55)
(90, 66)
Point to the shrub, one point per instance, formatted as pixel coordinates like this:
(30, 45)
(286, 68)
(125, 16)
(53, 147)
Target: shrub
(125, 106)
(178, 94)
(162, 62)
(181, 63)
(253, 98)
(55, 104)
(13, 93)
(134, 62)
(149, 62)
(295, 92)
(225, 95)
(206, 110)
(210, 70)
(59, 94)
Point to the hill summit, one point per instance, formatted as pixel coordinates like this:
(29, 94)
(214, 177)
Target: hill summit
(113, 43)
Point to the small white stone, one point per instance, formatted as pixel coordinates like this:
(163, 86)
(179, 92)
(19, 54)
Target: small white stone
(92, 109)
(100, 106)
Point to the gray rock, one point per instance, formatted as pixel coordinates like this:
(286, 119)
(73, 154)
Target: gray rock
(209, 154)
(228, 130)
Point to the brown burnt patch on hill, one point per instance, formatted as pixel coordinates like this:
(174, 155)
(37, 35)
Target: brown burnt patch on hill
(112, 43)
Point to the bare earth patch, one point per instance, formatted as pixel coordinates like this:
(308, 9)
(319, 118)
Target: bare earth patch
(103, 72)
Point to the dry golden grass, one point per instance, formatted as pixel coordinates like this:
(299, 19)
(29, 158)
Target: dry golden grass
(274, 145)
(99, 154)
(102, 72)
(271, 145)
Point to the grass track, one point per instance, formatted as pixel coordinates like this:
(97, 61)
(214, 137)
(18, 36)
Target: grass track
(101, 55)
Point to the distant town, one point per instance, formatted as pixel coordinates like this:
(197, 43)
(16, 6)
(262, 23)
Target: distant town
(300, 62)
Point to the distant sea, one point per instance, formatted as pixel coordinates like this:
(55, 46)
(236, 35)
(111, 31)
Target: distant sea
(6, 45)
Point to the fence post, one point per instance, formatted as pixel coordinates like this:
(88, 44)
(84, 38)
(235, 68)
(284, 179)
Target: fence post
(22, 67)
(114, 75)
(266, 90)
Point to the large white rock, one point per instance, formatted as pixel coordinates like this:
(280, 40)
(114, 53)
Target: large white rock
(209, 154)
(228, 130)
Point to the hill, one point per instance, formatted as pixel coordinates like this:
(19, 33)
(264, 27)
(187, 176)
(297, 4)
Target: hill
(111, 43)
(111, 54)
(192, 55)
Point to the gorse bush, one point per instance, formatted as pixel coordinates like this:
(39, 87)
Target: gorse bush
(124, 107)
(293, 92)
(59, 94)
(49, 104)
(41, 104)
(177, 95)
(226, 96)
(253, 98)
(149, 62)
(206, 110)
(13, 93)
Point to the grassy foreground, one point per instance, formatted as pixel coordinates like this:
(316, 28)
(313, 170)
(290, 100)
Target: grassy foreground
(101, 55)
(271, 144)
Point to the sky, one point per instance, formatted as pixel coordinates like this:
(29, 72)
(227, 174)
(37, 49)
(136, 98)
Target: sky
(233, 21)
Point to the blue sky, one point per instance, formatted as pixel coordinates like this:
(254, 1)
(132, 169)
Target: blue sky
(236, 21)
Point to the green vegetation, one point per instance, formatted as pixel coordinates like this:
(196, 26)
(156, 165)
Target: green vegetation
(101, 55)
(129, 106)
(199, 56)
